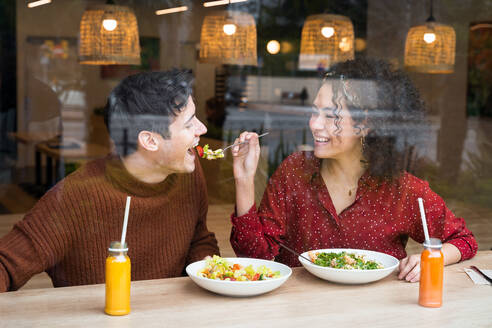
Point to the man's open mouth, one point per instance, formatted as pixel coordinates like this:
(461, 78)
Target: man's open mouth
(191, 149)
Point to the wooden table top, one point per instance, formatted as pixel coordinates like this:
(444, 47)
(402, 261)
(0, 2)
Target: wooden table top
(30, 137)
(86, 151)
(303, 300)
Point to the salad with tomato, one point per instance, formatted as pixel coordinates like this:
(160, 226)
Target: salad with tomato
(206, 152)
(218, 268)
(344, 260)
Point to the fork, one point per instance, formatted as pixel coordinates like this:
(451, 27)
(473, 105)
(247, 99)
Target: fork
(481, 273)
(239, 143)
(292, 251)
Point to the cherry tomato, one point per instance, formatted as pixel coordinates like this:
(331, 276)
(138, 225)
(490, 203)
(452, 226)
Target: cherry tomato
(199, 149)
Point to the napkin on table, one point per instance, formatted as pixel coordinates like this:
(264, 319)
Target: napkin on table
(477, 278)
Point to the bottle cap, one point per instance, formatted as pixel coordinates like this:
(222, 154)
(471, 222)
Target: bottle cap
(115, 246)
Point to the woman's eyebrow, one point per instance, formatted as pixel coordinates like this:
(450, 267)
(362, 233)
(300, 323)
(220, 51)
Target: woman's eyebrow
(328, 108)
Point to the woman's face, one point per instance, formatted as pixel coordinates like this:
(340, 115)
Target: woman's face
(333, 129)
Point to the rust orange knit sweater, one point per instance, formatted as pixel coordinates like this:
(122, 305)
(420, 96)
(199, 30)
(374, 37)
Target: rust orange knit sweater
(68, 231)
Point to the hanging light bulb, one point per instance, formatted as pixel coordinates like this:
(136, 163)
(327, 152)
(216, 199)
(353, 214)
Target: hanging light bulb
(229, 29)
(99, 45)
(110, 24)
(327, 31)
(429, 37)
(326, 39)
(236, 48)
(273, 47)
(430, 48)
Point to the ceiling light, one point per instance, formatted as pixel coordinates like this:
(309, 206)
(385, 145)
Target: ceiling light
(38, 3)
(102, 46)
(238, 48)
(327, 31)
(430, 47)
(273, 47)
(171, 10)
(216, 3)
(110, 24)
(429, 37)
(326, 39)
(229, 29)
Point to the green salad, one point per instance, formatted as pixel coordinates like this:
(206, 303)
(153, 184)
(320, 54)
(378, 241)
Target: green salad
(344, 260)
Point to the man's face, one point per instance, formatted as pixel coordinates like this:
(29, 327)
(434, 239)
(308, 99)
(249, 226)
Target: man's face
(177, 154)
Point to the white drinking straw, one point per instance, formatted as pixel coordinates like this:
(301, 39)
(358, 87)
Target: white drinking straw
(424, 221)
(125, 222)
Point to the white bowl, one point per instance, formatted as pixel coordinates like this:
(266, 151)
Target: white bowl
(352, 276)
(240, 288)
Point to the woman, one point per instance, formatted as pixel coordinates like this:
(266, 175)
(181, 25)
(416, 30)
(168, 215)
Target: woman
(354, 190)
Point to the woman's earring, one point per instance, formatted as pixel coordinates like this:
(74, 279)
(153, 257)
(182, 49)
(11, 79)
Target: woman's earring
(359, 129)
(363, 160)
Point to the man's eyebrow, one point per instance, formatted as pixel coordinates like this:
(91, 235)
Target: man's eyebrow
(189, 120)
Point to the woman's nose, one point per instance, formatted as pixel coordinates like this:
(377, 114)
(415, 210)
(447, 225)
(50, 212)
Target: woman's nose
(317, 122)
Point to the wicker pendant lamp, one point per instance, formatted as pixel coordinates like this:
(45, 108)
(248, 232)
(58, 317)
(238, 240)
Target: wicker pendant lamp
(430, 48)
(109, 36)
(326, 39)
(228, 37)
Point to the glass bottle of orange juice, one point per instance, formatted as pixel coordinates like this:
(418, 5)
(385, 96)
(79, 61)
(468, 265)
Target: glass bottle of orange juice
(118, 278)
(431, 274)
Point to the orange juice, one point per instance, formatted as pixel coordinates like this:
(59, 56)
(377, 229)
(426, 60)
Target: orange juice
(118, 277)
(431, 274)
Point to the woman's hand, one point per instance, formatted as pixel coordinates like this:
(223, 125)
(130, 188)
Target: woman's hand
(246, 156)
(410, 268)
(410, 265)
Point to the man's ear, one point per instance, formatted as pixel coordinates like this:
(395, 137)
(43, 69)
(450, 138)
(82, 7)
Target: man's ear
(148, 140)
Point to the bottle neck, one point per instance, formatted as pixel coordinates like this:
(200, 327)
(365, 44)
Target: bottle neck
(433, 249)
(117, 253)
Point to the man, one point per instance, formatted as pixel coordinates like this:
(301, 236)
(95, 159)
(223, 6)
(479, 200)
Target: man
(68, 231)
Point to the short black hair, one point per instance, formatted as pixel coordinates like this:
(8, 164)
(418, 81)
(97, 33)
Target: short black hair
(392, 106)
(146, 101)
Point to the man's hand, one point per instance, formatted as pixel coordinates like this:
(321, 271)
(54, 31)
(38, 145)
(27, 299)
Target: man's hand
(410, 268)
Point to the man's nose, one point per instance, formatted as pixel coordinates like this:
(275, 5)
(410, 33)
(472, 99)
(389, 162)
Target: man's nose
(201, 129)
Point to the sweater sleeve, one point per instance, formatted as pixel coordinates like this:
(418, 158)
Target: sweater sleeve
(441, 222)
(204, 242)
(254, 234)
(35, 243)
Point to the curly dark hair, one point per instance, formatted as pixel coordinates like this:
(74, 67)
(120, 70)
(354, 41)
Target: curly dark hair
(145, 101)
(385, 101)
